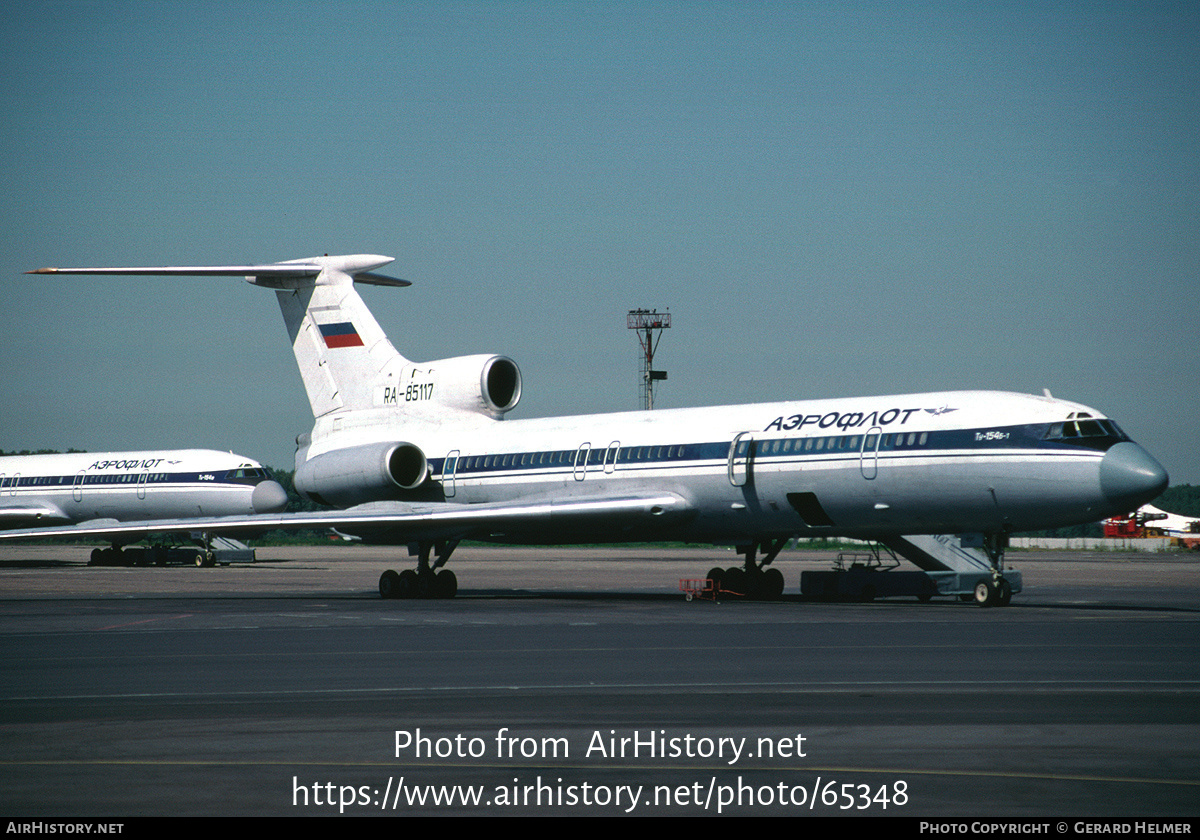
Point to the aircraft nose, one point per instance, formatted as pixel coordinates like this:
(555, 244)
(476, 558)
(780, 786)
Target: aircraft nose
(1130, 477)
(268, 497)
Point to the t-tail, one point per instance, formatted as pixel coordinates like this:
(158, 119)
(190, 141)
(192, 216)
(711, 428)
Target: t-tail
(345, 359)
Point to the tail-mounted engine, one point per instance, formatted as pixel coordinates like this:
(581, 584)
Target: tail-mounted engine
(481, 384)
(373, 472)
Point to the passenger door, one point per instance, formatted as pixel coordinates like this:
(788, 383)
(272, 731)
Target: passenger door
(741, 457)
(449, 468)
(869, 459)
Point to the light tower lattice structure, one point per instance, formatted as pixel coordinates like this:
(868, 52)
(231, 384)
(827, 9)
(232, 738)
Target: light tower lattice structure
(649, 324)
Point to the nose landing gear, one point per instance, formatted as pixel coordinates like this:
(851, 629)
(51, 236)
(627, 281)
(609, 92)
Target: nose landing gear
(996, 592)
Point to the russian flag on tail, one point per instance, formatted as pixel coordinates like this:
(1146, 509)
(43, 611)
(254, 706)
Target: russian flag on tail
(340, 335)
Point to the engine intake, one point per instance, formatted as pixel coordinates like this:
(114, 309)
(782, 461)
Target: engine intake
(369, 473)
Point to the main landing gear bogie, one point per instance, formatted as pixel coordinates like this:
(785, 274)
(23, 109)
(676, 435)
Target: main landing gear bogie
(428, 580)
(753, 580)
(410, 584)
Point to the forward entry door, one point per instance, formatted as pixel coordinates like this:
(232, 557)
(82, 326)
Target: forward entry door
(741, 456)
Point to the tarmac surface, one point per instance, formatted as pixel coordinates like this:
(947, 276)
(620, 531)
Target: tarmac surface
(578, 681)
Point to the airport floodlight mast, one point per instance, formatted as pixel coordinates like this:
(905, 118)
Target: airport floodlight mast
(649, 324)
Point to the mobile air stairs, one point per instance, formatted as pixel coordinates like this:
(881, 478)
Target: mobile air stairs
(951, 565)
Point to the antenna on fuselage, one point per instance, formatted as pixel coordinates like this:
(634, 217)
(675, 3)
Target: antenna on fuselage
(649, 324)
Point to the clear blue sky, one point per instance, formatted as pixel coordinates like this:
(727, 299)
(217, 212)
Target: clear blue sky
(832, 199)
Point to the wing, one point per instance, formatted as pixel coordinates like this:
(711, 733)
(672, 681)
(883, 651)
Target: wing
(547, 520)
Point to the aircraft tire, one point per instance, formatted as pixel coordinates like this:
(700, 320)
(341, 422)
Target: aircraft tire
(717, 576)
(735, 581)
(772, 584)
(1004, 593)
(389, 584)
(985, 593)
(408, 584)
(445, 584)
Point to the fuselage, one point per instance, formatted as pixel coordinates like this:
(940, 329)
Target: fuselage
(123, 486)
(424, 434)
(972, 461)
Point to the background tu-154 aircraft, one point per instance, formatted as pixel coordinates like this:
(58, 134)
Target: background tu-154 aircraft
(100, 489)
(419, 454)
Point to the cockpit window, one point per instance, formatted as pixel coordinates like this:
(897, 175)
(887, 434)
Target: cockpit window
(1114, 429)
(247, 472)
(1088, 428)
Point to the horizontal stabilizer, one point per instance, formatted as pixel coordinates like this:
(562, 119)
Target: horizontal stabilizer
(359, 266)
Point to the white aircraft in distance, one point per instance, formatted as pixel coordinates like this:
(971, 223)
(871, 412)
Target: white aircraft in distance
(1149, 520)
(99, 489)
(1171, 524)
(419, 454)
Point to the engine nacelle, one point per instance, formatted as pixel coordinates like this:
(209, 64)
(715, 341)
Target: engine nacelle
(370, 473)
(481, 384)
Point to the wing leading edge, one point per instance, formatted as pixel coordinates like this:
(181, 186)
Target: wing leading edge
(534, 520)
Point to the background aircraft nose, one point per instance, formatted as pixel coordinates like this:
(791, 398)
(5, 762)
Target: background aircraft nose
(270, 497)
(1130, 477)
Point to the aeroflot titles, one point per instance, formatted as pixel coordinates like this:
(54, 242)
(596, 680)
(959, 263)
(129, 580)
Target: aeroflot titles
(149, 463)
(848, 420)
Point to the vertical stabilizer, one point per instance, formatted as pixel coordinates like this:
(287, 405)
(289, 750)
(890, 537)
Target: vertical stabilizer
(340, 348)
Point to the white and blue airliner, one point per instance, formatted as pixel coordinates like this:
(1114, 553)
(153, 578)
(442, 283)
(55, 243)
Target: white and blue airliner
(420, 454)
(96, 490)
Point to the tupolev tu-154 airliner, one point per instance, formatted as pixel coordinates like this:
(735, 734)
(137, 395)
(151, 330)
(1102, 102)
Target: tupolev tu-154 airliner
(100, 489)
(419, 454)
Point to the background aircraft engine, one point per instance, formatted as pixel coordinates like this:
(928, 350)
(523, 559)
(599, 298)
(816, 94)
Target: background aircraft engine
(482, 384)
(369, 473)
